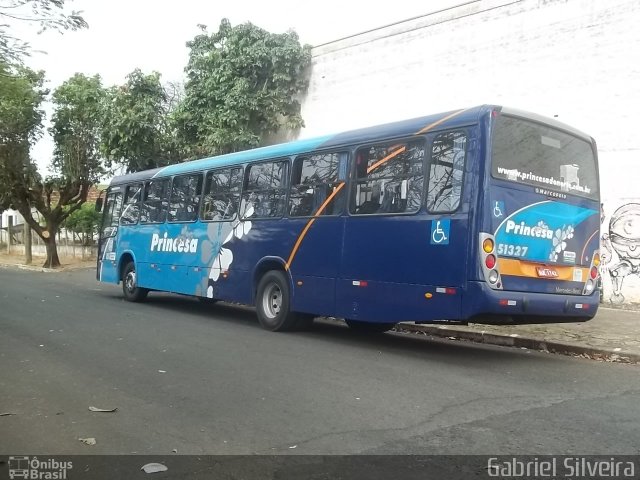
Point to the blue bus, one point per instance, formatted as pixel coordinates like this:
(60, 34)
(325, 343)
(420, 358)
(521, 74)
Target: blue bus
(485, 215)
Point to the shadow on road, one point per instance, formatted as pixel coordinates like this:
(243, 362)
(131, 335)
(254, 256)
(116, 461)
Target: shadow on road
(453, 352)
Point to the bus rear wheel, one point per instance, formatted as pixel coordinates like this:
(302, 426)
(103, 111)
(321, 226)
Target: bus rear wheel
(369, 327)
(130, 288)
(273, 302)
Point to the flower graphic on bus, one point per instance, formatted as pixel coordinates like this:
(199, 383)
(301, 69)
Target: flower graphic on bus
(224, 257)
(241, 228)
(559, 241)
(220, 265)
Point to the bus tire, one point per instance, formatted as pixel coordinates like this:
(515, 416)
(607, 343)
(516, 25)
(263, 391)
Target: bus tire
(130, 289)
(369, 327)
(273, 302)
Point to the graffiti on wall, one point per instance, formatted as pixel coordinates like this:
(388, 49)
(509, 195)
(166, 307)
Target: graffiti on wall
(620, 248)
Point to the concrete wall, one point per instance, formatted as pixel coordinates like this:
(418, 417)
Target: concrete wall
(578, 60)
(65, 252)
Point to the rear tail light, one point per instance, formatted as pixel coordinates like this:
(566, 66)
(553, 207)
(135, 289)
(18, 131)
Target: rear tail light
(592, 279)
(588, 288)
(489, 261)
(487, 246)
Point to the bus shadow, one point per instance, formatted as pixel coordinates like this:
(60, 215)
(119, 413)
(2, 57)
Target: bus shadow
(336, 332)
(453, 352)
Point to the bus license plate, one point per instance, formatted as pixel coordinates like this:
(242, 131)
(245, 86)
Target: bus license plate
(547, 272)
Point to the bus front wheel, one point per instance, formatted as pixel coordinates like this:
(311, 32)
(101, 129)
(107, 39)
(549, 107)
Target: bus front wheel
(130, 288)
(369, 327)
(273, 302)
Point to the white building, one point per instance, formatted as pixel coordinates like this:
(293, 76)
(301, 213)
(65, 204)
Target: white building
(8, 216)
(577, 60)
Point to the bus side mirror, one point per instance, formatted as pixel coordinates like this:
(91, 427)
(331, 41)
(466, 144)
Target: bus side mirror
(99, 204)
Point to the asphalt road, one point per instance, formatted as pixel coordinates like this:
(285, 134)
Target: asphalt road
(208, 380)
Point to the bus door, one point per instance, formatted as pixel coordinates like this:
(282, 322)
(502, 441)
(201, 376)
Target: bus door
(172, 254)
(315, 213)
(107, 268)
(406, 238)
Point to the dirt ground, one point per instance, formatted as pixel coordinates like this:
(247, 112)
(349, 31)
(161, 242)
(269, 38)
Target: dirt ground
(38, 261)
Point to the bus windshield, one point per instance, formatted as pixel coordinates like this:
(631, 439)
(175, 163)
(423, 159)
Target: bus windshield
(535, 154)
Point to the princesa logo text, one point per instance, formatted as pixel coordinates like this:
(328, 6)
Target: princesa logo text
(541, 230)
(178, 244)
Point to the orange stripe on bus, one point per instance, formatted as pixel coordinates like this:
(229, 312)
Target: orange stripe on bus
(587, 244)
(385, 159)
(309, 223)
(296, 246)
(442, 120)
(521, 268)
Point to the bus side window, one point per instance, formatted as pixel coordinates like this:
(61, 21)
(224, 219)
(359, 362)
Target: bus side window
(131, 210)
(185, 198)
(155, 201)
(314, 178)
(221, 194)
(265, 190)
(111, 212)
(448, 155)
(388, 179)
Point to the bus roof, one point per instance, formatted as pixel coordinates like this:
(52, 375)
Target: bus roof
(451, 119)
(363, 135)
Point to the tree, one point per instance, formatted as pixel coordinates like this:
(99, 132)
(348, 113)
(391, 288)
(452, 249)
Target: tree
(78, 104)
(46, 14)
(136, 132)
(242, 84)
(84, 222)
(21, 94)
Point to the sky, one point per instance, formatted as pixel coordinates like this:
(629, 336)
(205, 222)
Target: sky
(151, 34)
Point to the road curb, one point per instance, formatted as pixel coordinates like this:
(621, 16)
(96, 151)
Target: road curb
(518, 341)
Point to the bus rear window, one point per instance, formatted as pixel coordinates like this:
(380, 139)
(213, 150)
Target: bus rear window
(535, 154)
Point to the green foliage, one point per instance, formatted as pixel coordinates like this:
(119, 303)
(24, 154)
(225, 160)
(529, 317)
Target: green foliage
(242, 84)
(84, 222)
(21, 95)
(79, 110)
(135, 131)
(45, 14)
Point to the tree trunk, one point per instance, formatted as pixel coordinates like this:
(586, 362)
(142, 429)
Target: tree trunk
(52, 260)
(26, 235)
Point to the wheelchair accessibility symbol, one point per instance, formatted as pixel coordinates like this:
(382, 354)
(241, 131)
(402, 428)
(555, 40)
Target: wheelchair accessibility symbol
(498, 209)
(440, 232)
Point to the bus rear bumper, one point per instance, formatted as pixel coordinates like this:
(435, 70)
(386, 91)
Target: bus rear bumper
(499, 307)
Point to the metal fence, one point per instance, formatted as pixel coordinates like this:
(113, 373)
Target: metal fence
(69, 245)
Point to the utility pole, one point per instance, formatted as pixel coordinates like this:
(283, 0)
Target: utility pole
(9, 232)
(26, 237)
(26, 228)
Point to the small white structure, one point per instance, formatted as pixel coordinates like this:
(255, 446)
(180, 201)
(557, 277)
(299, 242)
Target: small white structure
(8, 217)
